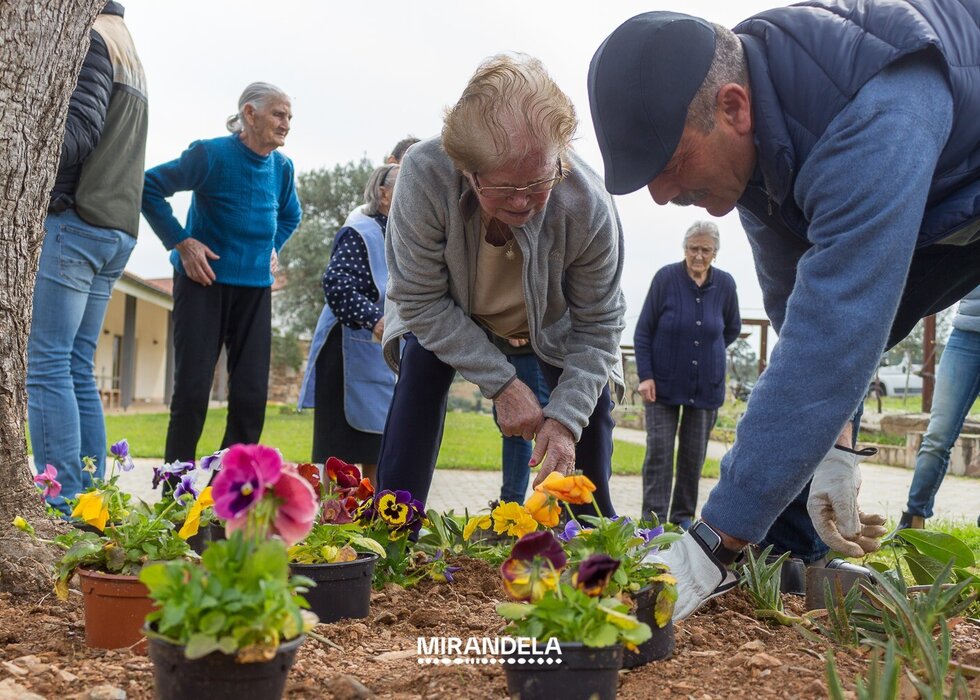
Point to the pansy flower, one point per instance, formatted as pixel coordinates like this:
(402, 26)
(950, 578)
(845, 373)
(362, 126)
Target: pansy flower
(345, 475)
(481, 522)
(175, 468)
(594, 573)
(193, 522)
(335, 511)
(574, 488)
(185, 487)
(543, 508)
(120, 453)
(399, 510)
(512, 519)
(212, 463)
(246, 472)
(49, 482)
(297, 506)
(311, 473)
(533, 567)
(649, 533)
(92, 508)
(572, 529)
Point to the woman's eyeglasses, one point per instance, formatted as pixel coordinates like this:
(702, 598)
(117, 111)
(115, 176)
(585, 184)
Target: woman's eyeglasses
(502, 192)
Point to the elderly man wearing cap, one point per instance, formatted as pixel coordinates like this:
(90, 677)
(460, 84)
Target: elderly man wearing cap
(846, 134)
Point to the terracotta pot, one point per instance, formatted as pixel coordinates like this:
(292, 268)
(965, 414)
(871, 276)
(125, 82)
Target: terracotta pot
(115, 607)
(219, 676)
(577, 672)
(343, 590)
(661, 645)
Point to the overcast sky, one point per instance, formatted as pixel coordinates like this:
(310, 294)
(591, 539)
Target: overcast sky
(362, 75)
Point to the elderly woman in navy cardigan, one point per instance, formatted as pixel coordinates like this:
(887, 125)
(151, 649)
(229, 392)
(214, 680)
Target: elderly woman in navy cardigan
(690, 316)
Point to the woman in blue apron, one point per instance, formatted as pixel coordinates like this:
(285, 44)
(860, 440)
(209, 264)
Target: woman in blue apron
(347, 382)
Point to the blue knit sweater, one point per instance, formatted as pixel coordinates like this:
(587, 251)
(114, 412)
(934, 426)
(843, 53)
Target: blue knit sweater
(682, 334)
(244, 204)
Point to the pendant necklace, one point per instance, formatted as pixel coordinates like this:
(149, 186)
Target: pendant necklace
(509, 250)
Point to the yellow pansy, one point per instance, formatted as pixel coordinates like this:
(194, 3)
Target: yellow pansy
(91, 508)
(193, 522)
(482, 522)
(511, 518)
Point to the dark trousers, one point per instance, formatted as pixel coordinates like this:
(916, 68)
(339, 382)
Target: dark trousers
(205, 319)
(658, 466)
(416, 419)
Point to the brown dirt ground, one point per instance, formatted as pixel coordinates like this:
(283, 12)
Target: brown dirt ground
(722, 652)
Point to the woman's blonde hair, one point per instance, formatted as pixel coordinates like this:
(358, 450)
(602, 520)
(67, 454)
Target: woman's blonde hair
(510, 109)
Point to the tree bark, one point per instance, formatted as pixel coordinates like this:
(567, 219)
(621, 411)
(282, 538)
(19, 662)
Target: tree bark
(41, 49)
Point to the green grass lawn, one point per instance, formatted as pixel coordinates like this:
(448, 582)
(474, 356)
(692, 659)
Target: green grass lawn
(471, 440)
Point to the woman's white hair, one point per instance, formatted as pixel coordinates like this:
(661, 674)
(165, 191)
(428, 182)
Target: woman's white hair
(257, 95)
(703, 228)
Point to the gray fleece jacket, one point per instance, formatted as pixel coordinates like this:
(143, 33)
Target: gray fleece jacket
(573, 261)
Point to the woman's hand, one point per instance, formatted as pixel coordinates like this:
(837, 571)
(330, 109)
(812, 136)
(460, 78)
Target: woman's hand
(379, 329)
(557, 446)
(648, 390)
(518, 411)
(194, 256)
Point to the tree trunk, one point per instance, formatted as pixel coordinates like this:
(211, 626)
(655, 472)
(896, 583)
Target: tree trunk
(41, 49)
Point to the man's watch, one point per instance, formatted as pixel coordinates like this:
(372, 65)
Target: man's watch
(711, 541)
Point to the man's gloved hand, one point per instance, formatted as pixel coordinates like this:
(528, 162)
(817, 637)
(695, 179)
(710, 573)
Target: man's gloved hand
(833, 504)
(700, 577)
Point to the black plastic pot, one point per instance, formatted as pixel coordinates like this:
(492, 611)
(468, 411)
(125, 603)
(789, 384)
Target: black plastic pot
(661, 644)
(212, 532)
(219, 676)
(343, 590)
(577, 672)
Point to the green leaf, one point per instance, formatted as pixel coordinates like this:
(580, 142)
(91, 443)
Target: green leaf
(939, 545)
(212, 623)
(154, 576)
(514, 611)
(604, 636)
(370, 544)
(924, 569)
(200, 645)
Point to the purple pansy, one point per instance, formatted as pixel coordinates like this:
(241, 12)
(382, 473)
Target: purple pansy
(49, 482)
(120, 451)
(175, 468)
(212, 463)
(247, 470)
(649, 533)
(186, 486)
(572, 528)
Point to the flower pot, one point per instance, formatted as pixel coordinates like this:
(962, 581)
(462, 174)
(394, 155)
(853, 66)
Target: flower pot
(661, 644)
(115, 607)
(577, 672)
(219, 676)
(212, 532)
(343, 589)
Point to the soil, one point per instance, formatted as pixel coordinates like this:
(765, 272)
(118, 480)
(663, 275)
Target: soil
(722, 652)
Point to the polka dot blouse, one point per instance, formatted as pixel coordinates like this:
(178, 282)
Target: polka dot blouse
(347, 283)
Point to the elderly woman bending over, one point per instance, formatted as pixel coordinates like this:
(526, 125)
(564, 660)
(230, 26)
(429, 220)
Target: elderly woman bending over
(499, 232)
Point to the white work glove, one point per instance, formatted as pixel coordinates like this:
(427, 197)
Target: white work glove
(700, 577)
(833, 504)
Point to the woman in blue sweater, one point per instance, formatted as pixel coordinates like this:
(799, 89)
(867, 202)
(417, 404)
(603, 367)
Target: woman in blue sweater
(690, 316)
(244, 208)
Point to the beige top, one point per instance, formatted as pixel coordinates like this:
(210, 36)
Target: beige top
(498, 290)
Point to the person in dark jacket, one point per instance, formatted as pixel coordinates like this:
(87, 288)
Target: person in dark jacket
(243, 211)
(690, 316)
(90, 232)
(347, 382)
(845, 134)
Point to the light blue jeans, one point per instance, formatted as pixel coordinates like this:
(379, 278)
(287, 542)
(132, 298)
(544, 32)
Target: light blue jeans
(957, 387)
(78, 266)
(516, 451)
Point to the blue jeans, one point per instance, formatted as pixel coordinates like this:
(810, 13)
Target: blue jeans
(957, 387)
(516, 451)
(79, 264)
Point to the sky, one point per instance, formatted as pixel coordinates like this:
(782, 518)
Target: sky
(363, 75)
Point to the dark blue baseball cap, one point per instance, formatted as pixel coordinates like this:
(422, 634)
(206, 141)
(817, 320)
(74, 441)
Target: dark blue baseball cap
(641, 82)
